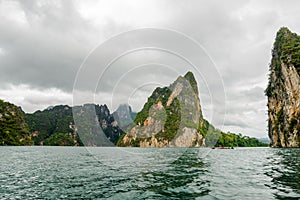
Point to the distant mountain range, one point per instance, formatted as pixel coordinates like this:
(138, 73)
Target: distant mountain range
(264, 140)
(55, 125)
(172, 117)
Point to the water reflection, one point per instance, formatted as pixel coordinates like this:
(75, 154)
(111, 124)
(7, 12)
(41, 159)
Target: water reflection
(283, 168)
(183, 178)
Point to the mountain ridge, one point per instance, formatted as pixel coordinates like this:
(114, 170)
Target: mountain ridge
(65, 133)
(59, 121)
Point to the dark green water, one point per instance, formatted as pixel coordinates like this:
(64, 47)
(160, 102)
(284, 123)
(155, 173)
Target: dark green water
(137, 173)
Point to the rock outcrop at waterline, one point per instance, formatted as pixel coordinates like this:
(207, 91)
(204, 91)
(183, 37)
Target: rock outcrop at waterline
(171, 117)
(283, 91)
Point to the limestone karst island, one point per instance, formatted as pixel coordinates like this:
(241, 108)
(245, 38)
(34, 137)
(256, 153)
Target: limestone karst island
(283, 91)
(160, 100)
(172, 116)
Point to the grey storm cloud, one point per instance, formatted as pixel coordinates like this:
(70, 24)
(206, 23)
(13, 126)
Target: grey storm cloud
(236, 122)
(44, 43)
(47, 48)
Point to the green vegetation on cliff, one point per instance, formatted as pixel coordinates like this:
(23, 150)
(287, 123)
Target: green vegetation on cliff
(174, 112)
(159, 94)
(167, 106)
(189, 76)
(286, 49)
(13, 128)
(55, 125)
(171, 114)
(287, 46)
(283, 90)
(44, 124)
(61, 139)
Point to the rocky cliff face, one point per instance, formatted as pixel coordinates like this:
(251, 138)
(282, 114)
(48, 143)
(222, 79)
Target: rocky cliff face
(283, 91)
(124, 116)
(55, 126)
(108, 124)
(13, 128)
(171, 117)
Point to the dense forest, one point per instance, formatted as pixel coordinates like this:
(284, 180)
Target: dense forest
(53, 126)
(13, 128)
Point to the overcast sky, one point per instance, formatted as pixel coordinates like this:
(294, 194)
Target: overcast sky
(44, 43)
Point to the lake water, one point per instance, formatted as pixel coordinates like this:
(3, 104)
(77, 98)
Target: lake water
(146, 173)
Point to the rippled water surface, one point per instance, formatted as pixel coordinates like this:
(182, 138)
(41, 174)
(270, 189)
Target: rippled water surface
(138, 173)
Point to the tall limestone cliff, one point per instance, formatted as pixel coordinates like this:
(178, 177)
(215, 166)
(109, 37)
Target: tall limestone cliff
(283, 91)
(171, 117)
(13, 128)
(96, 125)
